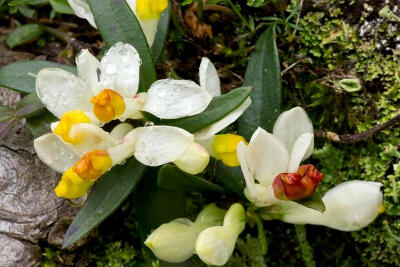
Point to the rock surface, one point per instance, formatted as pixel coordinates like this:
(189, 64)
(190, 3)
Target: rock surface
(28, 207)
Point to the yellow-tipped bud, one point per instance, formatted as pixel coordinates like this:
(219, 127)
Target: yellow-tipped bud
(108, 105)
(150, 9)
(67, 120)
(92, 165)
(72, 186)
(224, 148)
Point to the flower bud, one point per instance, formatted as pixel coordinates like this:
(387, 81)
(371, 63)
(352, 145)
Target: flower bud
(224, 148)
(215, 245)
(194, 160)
(298, 185)
(175, 241)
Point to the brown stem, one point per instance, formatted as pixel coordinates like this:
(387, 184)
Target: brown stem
(348, 138)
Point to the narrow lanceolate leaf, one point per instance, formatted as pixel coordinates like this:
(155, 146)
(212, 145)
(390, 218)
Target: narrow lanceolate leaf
(29, 106)
(25, 34)
(117, 23)
(108, 193)
(162, 32)
(219, 107)
(172, 178)
(313, 202)
(21, 76)
(6, 113)
(231, 178)
(264, 75)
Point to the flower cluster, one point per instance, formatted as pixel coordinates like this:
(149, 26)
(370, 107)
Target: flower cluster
(107, 90)
(104, 91)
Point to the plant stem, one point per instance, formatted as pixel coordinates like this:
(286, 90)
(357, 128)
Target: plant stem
(305, 248)
(261, 232)
(348, 138)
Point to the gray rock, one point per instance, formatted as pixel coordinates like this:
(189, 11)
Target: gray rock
(29, 209)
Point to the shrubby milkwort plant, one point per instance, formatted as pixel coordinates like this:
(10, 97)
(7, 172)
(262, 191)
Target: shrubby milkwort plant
(158, 122)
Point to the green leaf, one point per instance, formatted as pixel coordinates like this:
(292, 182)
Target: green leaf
(231, 178)
(264, 75)
(61, 6)
(108, 193)
(40, 124)
(18, 2)
(117, 23)
(21, 76)
(155, 205)
(6, 113)
(313, 202)
(27, 11)
(350, 85)
(172, 178)
(24, 34)
(162, 32)
(219, 107)
(29, 106)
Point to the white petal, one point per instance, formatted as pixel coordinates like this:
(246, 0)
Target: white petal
(157, 145)
(290, 125)
(350, 206)
(54, 153)
(93, 137)
(121, 130)
(133, 107)
(120, 70)
(149, 27)
(209, 79)
(266, 157)
(125, 149)
(87, 66)
(132, 5)
(300, 148)
(214, 128)
(171, 99)
(81, 9)
(194, 160)
(61, 91)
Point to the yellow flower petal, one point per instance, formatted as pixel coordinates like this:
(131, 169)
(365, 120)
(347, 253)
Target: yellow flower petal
(72, 186)
(67, 120)
(149, 9)
(224, 148)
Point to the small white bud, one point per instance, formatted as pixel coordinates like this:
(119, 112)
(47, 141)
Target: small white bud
(215, 245)
(175, 241)
(194, 160)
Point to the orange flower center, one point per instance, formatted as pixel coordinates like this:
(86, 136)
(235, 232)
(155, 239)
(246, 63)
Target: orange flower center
(108, 105)
(92, 165)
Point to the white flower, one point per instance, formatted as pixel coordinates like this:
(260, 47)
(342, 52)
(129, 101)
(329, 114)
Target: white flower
(215, 244)
(350, 206)
(152, 146)
(107, 90)
(209, 81)
(147, 12)
(268, 155)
